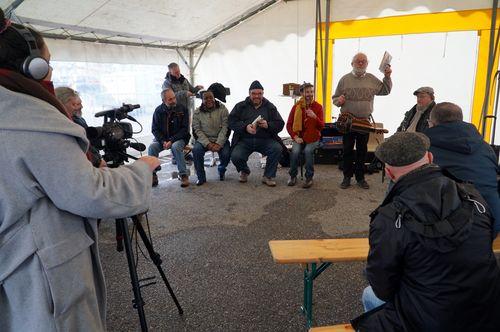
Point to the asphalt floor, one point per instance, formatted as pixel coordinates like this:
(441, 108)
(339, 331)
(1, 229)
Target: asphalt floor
(213, 240)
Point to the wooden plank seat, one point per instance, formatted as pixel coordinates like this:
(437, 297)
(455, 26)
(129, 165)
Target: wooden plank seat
(333, 328)
(310, 253)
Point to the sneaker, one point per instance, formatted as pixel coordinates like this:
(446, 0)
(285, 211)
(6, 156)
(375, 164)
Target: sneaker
(308, 183)
(292, 182)
(268, 181)
(346, 183)
(243, 177)
(363, 184)
(200, 182)
(155, 180)
(222, 176)
(184, 181)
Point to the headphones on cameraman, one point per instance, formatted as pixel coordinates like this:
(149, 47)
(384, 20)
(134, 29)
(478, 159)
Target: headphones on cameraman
(33, 66)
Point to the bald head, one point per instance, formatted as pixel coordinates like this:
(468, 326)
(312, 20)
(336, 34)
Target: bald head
(444, 113)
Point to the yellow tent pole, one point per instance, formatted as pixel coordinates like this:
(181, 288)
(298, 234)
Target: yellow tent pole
(480, 86)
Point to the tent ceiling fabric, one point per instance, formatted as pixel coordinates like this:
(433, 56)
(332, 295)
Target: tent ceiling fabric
(177, 23)
(171, 22)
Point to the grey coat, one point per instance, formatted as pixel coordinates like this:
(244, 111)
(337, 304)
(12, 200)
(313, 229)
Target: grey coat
(50, 196)
(210, 126)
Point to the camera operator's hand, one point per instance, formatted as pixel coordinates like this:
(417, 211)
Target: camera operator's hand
(167, 145)
(152, 162)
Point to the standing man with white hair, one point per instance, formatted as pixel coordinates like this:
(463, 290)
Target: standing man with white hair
(354, 94)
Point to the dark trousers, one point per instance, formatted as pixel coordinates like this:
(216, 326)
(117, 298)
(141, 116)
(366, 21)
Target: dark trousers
(354, 163)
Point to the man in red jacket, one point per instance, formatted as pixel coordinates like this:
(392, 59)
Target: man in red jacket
(304, 126)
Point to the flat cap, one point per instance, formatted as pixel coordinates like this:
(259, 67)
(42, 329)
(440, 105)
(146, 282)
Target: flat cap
(424, 89)
(403, 148)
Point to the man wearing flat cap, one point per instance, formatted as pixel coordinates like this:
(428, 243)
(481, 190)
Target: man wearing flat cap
(415, 119)
(256, 123)
(431, 265)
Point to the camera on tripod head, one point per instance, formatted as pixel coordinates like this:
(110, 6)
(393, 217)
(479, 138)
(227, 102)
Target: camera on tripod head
(114, 136)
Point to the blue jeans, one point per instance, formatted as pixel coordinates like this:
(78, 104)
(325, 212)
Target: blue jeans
(308, 156)
(267, 146)
(177, 149)
(370, 300)
(199, 159)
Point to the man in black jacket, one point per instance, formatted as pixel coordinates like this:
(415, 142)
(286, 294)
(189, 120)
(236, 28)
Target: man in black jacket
(415, 119)
(256, 123)
(430, 257)
(170, 128)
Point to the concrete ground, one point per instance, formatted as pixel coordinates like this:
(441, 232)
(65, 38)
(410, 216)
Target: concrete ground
(213, 241)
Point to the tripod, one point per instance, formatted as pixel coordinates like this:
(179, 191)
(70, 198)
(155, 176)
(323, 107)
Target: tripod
(123, 238)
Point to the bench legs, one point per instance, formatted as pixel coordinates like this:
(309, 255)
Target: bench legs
(310, 273)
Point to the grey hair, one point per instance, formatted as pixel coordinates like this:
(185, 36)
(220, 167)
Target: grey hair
(446, 112)
(64, 93)
(164, 92)
(358, 54)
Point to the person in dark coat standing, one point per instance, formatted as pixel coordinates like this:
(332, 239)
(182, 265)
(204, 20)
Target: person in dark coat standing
(256, 123)
(416, 118)
(459, 148)
(431, 259)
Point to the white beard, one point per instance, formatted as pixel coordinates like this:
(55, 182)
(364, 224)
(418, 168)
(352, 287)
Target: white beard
(359, 71)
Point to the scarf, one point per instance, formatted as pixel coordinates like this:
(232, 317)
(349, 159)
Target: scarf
(43, 90)
(297, 117)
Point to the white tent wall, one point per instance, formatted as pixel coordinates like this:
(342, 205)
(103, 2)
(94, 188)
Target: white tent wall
(77, 51)
(444, 61)
(274, 47)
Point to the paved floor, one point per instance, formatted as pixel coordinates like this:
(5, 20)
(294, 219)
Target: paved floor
(214, 243)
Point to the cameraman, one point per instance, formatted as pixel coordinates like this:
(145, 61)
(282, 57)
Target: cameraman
(73, 104)
(50, 196)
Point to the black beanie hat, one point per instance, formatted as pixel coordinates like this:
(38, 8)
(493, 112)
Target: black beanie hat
(256, 85)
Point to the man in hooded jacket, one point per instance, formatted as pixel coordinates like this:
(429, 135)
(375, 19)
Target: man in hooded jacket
(458, 147)
(430, 257)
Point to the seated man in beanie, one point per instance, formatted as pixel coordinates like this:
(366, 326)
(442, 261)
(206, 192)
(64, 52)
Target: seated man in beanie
(415, 119)
(431, 257)
(210, 130)
(304, 126)
(459, 148)
(250, 135)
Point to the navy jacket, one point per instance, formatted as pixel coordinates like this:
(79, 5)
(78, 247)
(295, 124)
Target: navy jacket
(460, 149)
(431, 258)
(244, 114)
(170, 124)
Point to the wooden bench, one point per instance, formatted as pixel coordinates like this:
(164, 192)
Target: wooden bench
(333, 328)
(310, 253)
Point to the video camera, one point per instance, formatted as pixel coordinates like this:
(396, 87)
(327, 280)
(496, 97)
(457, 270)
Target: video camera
(113, 137)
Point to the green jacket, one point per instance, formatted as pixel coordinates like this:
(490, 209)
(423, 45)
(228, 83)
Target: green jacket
(210, 126)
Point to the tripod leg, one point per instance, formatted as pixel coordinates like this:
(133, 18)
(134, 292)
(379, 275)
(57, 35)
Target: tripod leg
(155, 257)
(138, 302)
